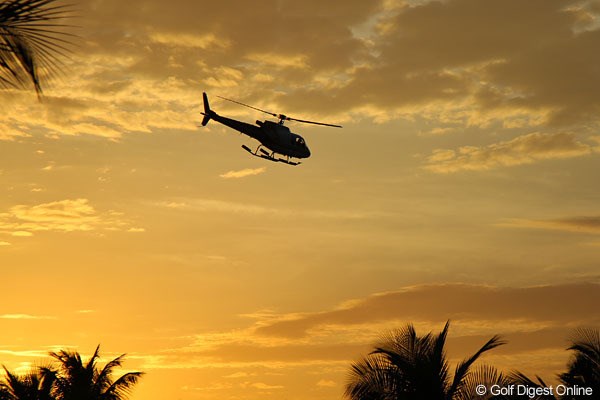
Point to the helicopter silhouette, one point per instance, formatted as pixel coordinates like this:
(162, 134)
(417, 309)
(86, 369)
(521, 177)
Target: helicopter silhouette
(272, 135)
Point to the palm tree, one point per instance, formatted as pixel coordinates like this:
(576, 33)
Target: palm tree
(34, 385)
(583, 370)
(407, 366)
(584, 366)
(31, 42)
(78, 381)
(519, 378)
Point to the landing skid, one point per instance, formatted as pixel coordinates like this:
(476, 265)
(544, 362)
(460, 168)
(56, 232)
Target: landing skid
(269, 156)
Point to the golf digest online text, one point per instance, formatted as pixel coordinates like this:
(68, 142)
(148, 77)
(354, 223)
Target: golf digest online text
(533, 391)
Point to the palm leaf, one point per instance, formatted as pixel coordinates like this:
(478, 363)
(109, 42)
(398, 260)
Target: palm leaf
(103, 380)
(121, 388)
(462, 369)
(31, 41)
(371, 378)
(486, 375)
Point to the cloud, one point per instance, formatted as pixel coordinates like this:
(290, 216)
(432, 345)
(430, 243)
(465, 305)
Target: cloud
(526, 149)
(453, 60)
(581, 224)
(456, 59)
(559, 303)
(21, 233)
(204, 205)
(243, 173)
(24, 316)
(264, 386)
(240, 375)
(60, 216)
(188, 40)
(531, 319)
(10, 132)
(24, 353)
(326, 383)
(146, 72)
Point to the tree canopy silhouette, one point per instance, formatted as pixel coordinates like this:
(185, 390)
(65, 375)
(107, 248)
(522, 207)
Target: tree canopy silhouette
(583, 369)
(76, 380)
(34, 385)
(31, 41)
(70, 379)
(407, 366)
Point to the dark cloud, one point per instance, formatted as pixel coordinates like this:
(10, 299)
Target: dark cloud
(470, 61)
(568, 303)
(319, 30)
(460, 344)
(296, 353)
(580, 224)
(500, 57)
(584, 223)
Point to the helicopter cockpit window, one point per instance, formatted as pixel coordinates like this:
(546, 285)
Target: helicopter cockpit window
(300, 141)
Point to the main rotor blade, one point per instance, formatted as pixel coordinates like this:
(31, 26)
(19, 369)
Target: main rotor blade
(312, 122)
(242, 104)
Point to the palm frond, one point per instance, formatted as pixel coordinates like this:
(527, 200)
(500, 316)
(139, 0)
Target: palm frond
(520, 378)
(486, 375)
(584, 367)
(462, 368)
(32, 41)
(371, 378)
(103, 379)
(586, 342)
(121, 388)
(439, 355)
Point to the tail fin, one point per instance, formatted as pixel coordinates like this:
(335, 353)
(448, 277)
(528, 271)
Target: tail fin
(207, 110)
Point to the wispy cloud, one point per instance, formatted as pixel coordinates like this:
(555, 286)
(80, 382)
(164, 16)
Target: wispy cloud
(189, 40)
(25, 353)
(263, 386)
(61, 216)
(579, 224)
(25, 316)
(525, 149)
(531, 318)
(572, 302)
(326, 383)
(243, 173)
(203, 205)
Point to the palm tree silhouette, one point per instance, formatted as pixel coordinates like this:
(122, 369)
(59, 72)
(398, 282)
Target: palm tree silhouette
(78, 381)
(583, 370)
(407, 366)
(31, 42)
(34, 385)
(584, 366)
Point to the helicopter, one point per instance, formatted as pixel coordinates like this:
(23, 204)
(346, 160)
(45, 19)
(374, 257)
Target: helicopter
(272, 135)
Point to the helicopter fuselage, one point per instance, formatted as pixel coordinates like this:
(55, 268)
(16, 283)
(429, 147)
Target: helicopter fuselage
(274, 136)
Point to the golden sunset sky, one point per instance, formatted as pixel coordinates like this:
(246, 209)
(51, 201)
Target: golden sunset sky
(463, 186)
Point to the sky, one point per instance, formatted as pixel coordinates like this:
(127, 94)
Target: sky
(463, 186)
